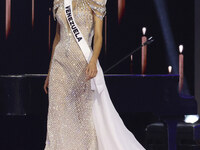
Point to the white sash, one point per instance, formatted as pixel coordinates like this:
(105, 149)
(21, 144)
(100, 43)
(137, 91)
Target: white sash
(98, 81)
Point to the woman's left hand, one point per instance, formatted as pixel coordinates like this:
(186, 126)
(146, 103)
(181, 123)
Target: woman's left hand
(91, 70)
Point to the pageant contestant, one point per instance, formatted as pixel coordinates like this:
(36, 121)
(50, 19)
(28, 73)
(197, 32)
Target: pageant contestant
(81, 115)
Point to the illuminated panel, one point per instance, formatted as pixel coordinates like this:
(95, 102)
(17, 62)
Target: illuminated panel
(33, 12)
(121, 9)
(8, 18)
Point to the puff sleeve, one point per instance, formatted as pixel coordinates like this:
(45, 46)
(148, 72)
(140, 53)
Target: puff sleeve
(98, 7)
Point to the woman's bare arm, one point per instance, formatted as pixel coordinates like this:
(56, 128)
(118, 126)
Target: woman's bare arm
(98, 27)
(91, 70)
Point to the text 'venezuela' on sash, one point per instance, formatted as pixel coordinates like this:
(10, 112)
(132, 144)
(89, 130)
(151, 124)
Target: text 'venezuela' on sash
(72, 24)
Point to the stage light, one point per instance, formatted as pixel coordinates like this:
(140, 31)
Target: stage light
(121, 9)
(170, 69)
(144, 29)
(33, 12)
(191, 118)
(8, 18)
(181, 48)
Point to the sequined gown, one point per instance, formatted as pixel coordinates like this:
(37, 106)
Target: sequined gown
(70, 123)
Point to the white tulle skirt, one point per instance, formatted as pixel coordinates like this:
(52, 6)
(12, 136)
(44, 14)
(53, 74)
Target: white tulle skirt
(111, 132)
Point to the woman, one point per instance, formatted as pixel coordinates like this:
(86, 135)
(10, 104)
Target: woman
(81, 115)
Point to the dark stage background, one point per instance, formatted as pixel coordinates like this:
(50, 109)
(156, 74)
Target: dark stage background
(26, 49)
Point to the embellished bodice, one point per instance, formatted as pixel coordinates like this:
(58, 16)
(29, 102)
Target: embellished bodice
(83, 11)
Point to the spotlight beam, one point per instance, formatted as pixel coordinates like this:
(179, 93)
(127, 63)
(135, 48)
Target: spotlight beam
(172, 51)
(167, 33)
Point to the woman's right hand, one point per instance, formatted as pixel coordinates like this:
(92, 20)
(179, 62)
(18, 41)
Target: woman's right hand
(46, 83)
